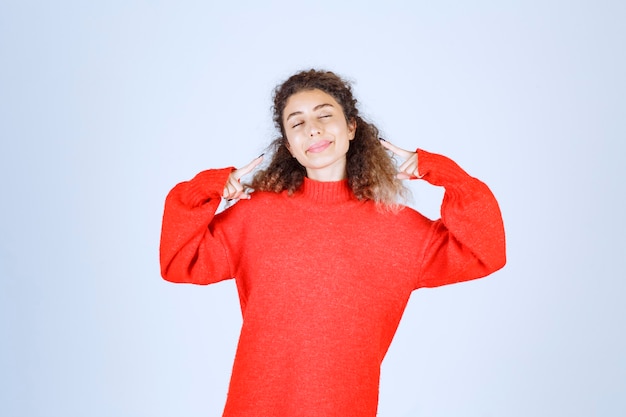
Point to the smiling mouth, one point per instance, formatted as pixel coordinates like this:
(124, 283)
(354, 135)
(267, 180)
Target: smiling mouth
(318, 147)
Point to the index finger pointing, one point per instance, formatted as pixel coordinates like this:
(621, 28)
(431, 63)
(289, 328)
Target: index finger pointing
(248, 168)
(403, 153)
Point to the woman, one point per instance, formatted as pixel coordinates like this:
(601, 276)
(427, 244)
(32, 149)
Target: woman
(323, 254)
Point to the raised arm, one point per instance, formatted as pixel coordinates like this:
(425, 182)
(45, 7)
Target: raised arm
(468, 240)
(190, 252)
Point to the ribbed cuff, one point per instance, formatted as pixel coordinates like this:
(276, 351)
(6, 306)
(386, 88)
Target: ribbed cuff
(439, 170)
(206, 185)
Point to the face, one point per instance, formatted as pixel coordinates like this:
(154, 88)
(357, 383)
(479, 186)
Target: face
(318, 134)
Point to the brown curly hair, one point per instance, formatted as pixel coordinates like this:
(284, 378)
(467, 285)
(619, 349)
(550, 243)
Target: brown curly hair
(371, 172)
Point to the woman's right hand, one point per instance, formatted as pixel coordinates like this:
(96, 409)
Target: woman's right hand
(233, 188)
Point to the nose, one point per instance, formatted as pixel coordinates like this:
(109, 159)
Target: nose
(315, 129)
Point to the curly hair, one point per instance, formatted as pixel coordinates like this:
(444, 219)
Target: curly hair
(370, 170)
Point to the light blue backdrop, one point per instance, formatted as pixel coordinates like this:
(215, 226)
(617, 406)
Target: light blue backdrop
(105, 105)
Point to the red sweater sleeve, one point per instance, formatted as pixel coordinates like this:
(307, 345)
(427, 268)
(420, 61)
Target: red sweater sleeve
(189, 252)
(468, 241)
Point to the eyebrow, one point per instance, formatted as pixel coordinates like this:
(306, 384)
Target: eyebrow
(319, 106)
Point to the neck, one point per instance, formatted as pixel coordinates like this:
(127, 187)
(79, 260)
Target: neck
(328, 174)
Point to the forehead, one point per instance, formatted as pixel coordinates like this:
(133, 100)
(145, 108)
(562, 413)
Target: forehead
(307, 100)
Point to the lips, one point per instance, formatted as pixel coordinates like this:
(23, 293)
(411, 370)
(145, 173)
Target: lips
(318, 147)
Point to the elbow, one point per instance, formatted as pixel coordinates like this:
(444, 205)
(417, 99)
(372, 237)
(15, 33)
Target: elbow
(175, 272)
(500, 262)
(183, 278)
(176, 268)
(187, 273)
(181, 275)
(498, 258)
(492, 256)
(170, 275)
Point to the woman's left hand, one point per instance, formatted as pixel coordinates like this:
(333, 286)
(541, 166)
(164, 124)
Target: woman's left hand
(408, 169)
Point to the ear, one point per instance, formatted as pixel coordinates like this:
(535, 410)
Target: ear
(351, 129)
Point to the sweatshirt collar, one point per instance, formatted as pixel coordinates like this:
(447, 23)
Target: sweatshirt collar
(326, 192)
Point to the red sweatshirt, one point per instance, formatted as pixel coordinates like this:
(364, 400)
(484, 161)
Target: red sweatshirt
(323, 279)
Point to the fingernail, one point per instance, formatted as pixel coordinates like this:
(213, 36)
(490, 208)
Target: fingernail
(260, 155)
(382, 139)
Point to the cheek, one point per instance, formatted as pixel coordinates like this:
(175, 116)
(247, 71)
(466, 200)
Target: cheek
(292, 141)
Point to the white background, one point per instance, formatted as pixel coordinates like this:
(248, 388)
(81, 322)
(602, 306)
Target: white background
(106, 105)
